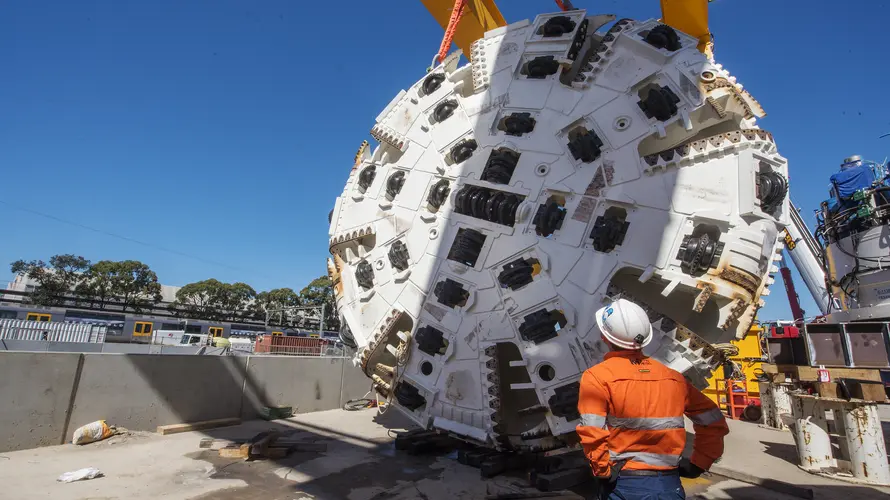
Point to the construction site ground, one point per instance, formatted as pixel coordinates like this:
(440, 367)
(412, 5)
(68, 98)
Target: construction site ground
(361, 463)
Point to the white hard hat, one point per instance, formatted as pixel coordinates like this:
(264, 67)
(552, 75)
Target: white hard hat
(625, 324)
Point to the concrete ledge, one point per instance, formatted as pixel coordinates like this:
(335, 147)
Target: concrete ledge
(35, 390)
(355, 383)
(307, 384)
(46, 396)
(143, 391)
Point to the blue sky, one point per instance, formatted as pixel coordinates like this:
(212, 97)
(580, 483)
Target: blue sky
(225, 129)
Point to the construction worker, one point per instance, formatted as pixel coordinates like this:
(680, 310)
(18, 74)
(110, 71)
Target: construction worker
(632, 408)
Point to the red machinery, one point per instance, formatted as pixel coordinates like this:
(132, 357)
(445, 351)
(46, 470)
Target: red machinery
(793, 300)
(784, 332)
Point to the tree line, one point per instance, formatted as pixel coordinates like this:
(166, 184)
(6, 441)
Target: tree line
(131, 286)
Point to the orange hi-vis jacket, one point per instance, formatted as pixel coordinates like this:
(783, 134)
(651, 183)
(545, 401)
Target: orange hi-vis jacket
(632, 410)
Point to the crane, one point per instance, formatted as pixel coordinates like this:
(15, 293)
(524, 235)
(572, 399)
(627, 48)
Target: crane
(806, 255)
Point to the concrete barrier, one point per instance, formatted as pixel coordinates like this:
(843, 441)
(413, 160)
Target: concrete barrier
(76, 347)
(143, 391)
(355, 383)
(110, 348)
(46, 396)
(24, 345)
(306, 383)
(125, 348)
(35, 392)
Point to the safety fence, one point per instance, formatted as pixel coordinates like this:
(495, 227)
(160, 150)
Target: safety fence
(15, 329)
(299, 346)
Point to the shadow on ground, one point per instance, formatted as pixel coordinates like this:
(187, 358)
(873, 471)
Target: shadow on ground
(787, 452)
(741, 491)
(360, 463)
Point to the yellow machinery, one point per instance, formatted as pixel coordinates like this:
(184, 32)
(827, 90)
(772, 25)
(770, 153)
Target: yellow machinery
(690, 17)
(748, 357)
(479, 16)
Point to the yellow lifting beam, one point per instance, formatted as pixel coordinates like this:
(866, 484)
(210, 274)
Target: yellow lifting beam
(479, 16)
(688, 16)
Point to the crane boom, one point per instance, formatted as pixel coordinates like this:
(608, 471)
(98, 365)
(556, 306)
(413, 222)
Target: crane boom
(805, 253)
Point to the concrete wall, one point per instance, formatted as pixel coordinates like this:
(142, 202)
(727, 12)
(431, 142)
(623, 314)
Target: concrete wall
(313, 384)
(41, 346)
(142, 391)
(355, 383)
(66, 347)
(127, 348)
(35, 391)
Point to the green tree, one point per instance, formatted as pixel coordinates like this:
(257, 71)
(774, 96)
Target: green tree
(55, 280)
(135, 285)
(213, 299)
(198, 300)
(96, 285)
(321, 292)
(234, 299)
(130, 283)
(273, 302)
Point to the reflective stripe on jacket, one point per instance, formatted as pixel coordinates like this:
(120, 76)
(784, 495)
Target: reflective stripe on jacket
(632, 409)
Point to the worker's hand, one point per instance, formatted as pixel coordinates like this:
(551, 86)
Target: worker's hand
(689, 469)
(608, 482)
(610, 479)
(614, 471)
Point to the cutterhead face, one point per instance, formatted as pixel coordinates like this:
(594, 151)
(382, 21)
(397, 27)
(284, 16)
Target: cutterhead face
(508, 198)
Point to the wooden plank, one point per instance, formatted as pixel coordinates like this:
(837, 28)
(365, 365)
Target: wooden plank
(260, 443)
(260, 446)
(165, 430)
(827, 389)
(867, 391)
(808, 373)
(811, 374)
(234, 452)
(871, 374)
(873, 392)
(216, 444)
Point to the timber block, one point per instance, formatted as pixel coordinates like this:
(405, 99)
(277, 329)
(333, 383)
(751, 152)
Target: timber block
(561, 480)
(197, 426)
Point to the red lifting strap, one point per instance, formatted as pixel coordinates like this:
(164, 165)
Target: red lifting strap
(565, 5)
(456, 13)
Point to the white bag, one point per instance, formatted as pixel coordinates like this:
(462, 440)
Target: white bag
(93, 431)
(80, 475)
